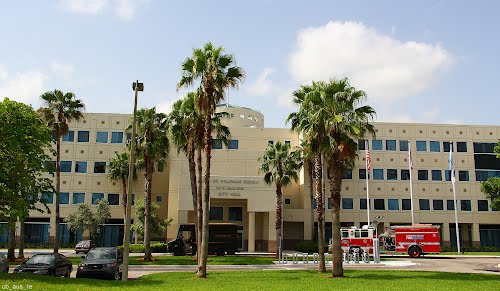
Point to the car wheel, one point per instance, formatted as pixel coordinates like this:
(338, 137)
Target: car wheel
(220, 252)
(117, 275)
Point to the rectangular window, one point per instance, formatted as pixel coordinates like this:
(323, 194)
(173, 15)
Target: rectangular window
(114, 199)
(362, 203)
(379, 204)
(423, 204)
(377, 145)
(78, 198)
(287, 142)
(159, 199)
(288, 201)
(101, 137)
(50, 166)
(347, 175)
(66, 166)
(484, 147)
(450, 205)
(406, 204)
(96, 197)
(461, 147)
(83, 136)
(80, 167)
(393, 204)
(437, 204)
(64, 198)
(447, 175)
(117, 137)
(233, 144)
(362, 174)
(465, 205)
(405, 174)
(434, 146)
(235, 213)
(70, 136)
(99, 167)
(216, 144)
(436, 175)
(133, 199)
(446, 146)
(49, 197)
(463, 175)
(378, 174)
(423, 175)
(216, 213)
(482, 205)
(421, 146)
(347, 203)
(361, 145)
(392, 174)
(390, 145)
(403, 145)
(329, 203)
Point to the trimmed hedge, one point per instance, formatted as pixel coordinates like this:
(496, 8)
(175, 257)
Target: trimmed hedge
(470, 249)
(307, 247)
(156, 247)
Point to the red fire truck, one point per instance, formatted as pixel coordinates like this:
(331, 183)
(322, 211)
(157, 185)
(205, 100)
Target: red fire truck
(414, 240)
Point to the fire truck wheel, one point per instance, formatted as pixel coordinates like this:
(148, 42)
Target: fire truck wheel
(415, 252)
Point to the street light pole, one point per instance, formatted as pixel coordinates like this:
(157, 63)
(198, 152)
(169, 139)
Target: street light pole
(126, 235)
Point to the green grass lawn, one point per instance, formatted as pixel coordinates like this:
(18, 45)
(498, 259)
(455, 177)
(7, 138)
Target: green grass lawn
(188, 260)
(472, 253)
(268, 280)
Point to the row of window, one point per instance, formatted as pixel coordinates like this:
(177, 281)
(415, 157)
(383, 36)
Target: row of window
(420, 145)
(79, 198)
(423, 204)
(101, 136)
(422, 175)
(217, 213)
(80, 167)
(232, 144)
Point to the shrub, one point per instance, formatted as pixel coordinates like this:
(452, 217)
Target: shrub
(307, 247)
(470, 249)
(156, 247)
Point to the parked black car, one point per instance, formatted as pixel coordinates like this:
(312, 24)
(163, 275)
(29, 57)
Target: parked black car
(46, 264)
(4, 263)
(101, 263)
(84, 246)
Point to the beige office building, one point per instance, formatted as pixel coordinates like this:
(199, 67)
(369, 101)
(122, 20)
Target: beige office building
(239, 194)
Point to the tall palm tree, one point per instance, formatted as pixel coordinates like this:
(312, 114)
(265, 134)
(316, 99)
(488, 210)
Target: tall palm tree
(281, 167)
(216, 72)
(308, 165)
(337, 107)
(58, 109)
(152, 146)
(118, 171)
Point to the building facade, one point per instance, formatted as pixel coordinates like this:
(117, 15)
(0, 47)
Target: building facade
(239, 194)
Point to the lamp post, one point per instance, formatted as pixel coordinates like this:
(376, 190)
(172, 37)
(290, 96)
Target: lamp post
(136, 86)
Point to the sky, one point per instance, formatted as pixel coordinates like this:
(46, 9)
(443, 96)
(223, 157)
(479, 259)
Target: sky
(418, 61)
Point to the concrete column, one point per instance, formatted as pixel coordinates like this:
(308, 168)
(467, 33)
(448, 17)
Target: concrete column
(476, 237)
(445, 232)
(466, 241)
(251, 231)
(272, 244)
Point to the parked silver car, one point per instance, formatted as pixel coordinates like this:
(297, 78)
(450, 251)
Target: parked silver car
(101, 263)
(4, 263)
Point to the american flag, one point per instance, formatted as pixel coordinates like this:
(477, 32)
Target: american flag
(368, 159)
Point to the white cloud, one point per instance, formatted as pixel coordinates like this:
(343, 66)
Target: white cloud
(263, 85)
(386, 68)
(285, 99)
(166, 106)
(23, 87)
(64, 71)
(84, 6)
(124, 9)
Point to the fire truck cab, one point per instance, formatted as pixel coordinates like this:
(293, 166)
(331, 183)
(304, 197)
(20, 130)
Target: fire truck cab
(415, 240)
(357, 238)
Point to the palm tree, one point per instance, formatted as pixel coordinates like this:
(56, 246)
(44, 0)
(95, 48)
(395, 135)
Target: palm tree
(58, 110)
(308, 163)
(216, 72)
(335, 107)
(152, 145)
(118, 171)
(281, 167)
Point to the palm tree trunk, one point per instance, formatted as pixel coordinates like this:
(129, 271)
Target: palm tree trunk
(335, 186)
(279, 215)
(124, 196)
(319, 212)
(20, 255)
(147, 209)
(194, 192)
(58, 190)
(199, 204)
(11, 243)
(311, 193)
(202, 267)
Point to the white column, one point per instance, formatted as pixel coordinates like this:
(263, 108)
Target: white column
(251, 232)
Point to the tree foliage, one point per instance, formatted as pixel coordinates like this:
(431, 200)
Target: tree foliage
(158, 225)
(84, 218)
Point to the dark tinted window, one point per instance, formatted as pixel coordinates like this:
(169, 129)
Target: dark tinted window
(424, 204)
(216, 144)
(66, 166)
(378, 174)
(390, 145)
(392, 174)
(463, 175)
(347, 175)
(465, 205)
(421, 146)
(83, 136)
(484, 147)
(436, 175)
(362, 174)
(482, 205)
(347, 203)
(450, 205)
(70, 136)
(236, 213)
(406, 204)
(362, 203)
(361, 144)
(446, 146)
(379, 204)
(100, 167)
(405, 174)
(403, 145)
(437, 205)
(393, 204)
(114, 199)
(434, 146)
(461, 147)
(233, 145)
(216, 213)
(423, 175)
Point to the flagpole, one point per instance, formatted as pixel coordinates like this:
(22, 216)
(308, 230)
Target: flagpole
(410, 166)
(452, 174)
(367, 164)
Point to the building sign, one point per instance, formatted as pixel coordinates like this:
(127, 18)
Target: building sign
(233, 187)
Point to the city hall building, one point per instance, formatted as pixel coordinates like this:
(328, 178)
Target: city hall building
(239, 195)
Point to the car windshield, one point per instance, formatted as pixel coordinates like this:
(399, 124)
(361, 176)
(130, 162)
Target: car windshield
(42, 260)
(101, 254)
(83, 243)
